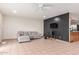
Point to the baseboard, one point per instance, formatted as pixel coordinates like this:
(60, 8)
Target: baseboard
(9, 39)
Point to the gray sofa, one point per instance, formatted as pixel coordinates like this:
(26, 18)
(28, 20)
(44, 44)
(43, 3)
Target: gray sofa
(31, 34)
(23, 36)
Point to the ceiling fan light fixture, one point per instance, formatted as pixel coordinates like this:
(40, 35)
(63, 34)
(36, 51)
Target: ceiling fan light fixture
(45, 6)
(40, 5)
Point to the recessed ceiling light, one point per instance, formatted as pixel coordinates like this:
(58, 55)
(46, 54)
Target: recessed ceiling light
(57, 19)
(44, 16)
(14, 11)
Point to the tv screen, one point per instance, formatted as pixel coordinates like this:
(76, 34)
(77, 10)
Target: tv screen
(53, 25)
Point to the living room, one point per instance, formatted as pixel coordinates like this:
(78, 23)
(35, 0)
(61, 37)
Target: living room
(21, 22)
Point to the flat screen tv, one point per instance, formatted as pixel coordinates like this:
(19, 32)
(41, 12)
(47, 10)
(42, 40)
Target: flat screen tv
(54, 25)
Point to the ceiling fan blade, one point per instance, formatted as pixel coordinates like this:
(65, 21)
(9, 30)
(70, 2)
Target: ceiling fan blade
(43, 6)
(47, 5)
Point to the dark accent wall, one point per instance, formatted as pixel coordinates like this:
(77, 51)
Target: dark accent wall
(62, 31)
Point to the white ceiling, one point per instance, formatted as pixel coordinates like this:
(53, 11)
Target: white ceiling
(31, 10)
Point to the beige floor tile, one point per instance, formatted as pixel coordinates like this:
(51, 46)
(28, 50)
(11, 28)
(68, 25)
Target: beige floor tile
(39, 47)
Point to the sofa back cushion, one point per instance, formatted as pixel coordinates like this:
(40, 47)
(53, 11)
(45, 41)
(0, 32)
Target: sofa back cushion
(33, 33)
(28, 33)
(21, 33)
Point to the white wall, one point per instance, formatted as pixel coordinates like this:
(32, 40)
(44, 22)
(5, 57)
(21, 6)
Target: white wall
(0, 27)
(14, 24)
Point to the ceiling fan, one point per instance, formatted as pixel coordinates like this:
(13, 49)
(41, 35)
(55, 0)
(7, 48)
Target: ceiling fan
(44, 6)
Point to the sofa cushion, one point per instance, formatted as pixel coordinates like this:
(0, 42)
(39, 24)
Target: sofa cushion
(31, 34)
(21, 33)
(26, 34)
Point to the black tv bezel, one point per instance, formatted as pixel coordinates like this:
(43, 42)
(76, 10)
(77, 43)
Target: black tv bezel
(54, 26)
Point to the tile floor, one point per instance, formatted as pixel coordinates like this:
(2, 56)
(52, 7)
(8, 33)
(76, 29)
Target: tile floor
(39, 47)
